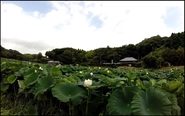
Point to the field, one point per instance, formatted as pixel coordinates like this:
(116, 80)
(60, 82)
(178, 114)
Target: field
(44, 89)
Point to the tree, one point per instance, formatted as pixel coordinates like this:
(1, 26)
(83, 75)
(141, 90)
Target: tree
(39, 56)
(50, 54)
(149, 61)
(180, 55)
(175, 41)
(170, 55)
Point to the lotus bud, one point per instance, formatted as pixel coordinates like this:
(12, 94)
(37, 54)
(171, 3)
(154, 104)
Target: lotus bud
(59, 65)
(80, 71)
(40, 68)
(91, 74)
(108, 71)
(35, 71)
(87, 83)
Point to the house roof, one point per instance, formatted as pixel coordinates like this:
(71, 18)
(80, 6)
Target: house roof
(128, 59)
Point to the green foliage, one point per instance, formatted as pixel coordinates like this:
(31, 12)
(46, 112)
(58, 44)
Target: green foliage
(120, 101)
(11, 79)
(151, 102)
(115, 91)
(175, 41)
(149, 61)
(170, 55)
(43, 84)
(139, 64)
(171, 49)
(39, 56)
(31, 78)
(67, 92)
(159, 62)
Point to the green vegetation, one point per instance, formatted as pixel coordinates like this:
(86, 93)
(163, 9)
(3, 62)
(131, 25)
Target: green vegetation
(43, 89)
(153, 52)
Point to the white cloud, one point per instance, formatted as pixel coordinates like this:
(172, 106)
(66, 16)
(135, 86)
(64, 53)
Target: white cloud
(69, 24)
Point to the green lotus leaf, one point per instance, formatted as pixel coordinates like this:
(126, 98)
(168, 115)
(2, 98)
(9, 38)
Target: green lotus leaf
(4, 87)
(120, 101)
(45, 71)
(180, 90)
(31, 78)
(28, 71)
(66, 92)
(174, 85)
(72, 80)
(11, 79)
(161, 81)
(43, 84)
(147, 84)
(13, 68)
(152, 102)
(180, 101)
(56, 71)
(176, 110)
(21, 84)
(140, 84)
(22, 70)
(95, 85)
(131, 75)
(153, 81)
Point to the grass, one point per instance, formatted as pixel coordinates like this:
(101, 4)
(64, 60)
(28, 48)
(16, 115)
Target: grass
(11, 105)
(139, 68)
(167, 68)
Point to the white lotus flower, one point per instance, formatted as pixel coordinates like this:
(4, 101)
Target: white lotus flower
(99, 67)
(35, 71)
(59, 65)
(40, 68)
(91, 74)
(108, 71)
(87, 83)
(80, 71)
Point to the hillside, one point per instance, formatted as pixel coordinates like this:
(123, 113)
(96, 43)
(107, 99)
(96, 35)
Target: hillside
(155, 51)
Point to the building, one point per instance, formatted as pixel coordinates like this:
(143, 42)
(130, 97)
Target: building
(128, 61)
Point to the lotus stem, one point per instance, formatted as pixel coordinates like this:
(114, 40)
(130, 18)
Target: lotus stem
(88, 98)
(51, 70)
(71, 108)
(73, 113)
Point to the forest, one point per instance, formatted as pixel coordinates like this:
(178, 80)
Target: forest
(153, 52)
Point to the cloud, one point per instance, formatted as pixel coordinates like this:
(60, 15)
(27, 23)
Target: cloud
(88, 25)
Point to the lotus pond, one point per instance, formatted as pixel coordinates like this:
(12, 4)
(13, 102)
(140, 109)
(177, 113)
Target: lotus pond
(44, 89)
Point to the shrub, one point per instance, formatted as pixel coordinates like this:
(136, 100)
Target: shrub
(149, 61)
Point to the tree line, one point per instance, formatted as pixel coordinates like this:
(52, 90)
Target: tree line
(155, 51)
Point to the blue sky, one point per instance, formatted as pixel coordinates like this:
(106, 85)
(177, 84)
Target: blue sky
(39, 26)
(30, 6)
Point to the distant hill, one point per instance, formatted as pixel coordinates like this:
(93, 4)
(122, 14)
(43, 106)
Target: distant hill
(155, 51)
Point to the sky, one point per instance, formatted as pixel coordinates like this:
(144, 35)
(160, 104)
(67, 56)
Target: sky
(40, 26)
